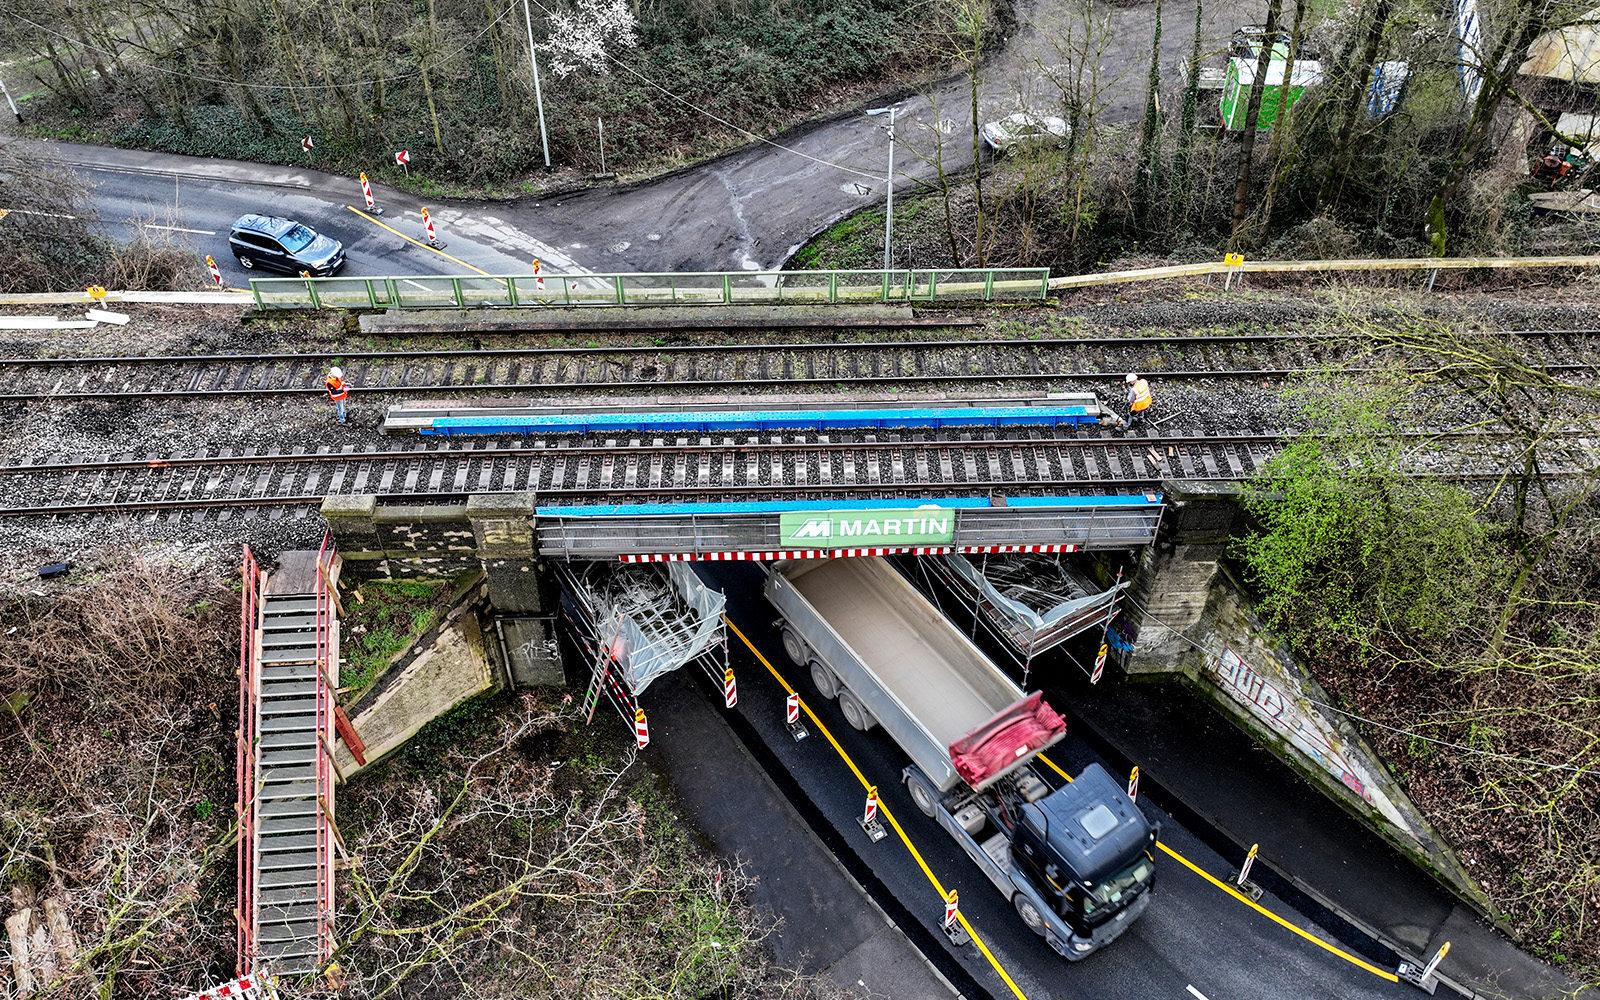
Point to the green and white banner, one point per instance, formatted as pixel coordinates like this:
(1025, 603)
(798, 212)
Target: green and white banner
(827, 529)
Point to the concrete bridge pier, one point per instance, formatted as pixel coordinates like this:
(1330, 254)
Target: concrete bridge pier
(494, 532)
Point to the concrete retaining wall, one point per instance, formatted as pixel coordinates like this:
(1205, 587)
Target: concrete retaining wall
(1194, 620)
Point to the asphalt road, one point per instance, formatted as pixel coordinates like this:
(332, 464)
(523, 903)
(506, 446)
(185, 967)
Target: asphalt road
(1193, 940)
(748, 210)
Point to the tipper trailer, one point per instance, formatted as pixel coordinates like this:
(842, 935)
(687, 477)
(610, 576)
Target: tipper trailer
(1075, 862)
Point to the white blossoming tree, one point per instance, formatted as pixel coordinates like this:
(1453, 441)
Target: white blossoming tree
(583, 35)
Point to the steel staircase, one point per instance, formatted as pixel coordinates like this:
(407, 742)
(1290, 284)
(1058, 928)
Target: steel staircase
(287, 836)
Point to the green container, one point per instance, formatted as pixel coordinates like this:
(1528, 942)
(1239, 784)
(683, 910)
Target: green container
(1241, 76)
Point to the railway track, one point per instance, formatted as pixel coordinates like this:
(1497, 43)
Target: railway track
(700, 368)
(1013, 461)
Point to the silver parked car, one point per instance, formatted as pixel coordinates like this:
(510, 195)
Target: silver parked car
(1025, 128)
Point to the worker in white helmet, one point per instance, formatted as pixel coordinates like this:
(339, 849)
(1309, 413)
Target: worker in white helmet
(1139, 400)
(338, 391)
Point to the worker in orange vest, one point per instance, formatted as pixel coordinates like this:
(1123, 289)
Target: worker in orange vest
(338, 391)
(1139, 400)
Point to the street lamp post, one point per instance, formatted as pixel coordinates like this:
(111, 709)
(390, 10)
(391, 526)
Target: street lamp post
(888, 186)
(538, 98)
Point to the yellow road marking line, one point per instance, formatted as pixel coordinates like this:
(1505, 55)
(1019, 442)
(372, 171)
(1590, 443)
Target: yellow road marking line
(374, 220)
(883, 810)
(1246, 900)
(1057, 770)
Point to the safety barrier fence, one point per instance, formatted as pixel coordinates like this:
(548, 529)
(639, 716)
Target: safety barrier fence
(742, 287)
(645, 289)
(245, 775)
(327, 665)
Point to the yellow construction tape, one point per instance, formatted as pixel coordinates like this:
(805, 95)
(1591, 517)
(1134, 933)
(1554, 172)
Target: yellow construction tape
(883, 811)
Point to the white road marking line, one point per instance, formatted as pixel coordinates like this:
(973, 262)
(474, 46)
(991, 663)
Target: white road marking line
(1197, 994)
(180, 229)
(413, 284)
(46, 215)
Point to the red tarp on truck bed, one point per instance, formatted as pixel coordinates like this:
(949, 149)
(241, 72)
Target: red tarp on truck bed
(1015, 732)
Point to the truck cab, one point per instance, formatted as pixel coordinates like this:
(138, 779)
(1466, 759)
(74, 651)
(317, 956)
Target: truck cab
(1076, 862)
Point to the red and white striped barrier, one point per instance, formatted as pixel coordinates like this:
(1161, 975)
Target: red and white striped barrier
(641, 729)
(730, 690)
(915, 550)
(366, 192)
(216, 275)
(872, 806)
(251, 987)
(950, 909)
(1099, 664)
(1133, 784)
(427, 221)
(538, 282)
(792, 709)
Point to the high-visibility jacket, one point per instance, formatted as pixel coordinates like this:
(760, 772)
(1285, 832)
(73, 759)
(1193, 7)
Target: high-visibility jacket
(1139, 397)
(337, 389)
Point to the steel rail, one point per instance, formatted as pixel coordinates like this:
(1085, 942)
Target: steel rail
(844, 345)
(700, 494)
(1115, 375)
(580, 450)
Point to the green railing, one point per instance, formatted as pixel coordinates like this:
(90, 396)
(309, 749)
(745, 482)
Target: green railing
(691, 288)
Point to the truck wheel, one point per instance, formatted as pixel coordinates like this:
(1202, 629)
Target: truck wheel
(793, 648)
(854, 712)
(1029, 913)
(921, 795)
(826, 680)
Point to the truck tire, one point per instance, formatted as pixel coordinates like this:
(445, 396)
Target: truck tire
(793, 648)
(825, 679)
(922, 795)
(1029, 913)
(854, 712)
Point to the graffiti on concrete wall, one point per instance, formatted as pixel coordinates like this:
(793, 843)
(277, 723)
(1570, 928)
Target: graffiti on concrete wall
(1298, 722)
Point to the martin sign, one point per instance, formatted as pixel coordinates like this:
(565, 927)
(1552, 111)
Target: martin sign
(827, 529)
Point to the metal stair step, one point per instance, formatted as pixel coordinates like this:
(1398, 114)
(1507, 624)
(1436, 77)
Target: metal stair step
(291, 842)
(287, 807)
(279, 825)
(271, 775)
(287, 790)
(288, 687)
(297, 654)
(283, 878)
(274, 622)
(289, 602)
(285, 759)
(300, 723)
(288, 913)
(272, 743)
(278, 672)
(292, 897)
(279, 640)
(299, 930)
(279, 860)
(283, 955)
(294, 706)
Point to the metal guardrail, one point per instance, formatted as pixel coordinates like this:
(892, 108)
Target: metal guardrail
(708, 288)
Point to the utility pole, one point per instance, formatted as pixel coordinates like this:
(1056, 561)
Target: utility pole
(888, 187)
(538, 97)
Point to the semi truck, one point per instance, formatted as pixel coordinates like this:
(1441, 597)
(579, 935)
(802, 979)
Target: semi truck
(1075, 861)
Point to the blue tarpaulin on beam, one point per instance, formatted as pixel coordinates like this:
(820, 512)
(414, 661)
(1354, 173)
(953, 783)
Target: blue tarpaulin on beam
(762, 420)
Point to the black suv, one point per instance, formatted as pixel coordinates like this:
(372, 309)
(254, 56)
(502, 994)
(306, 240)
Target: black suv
(283, 245)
